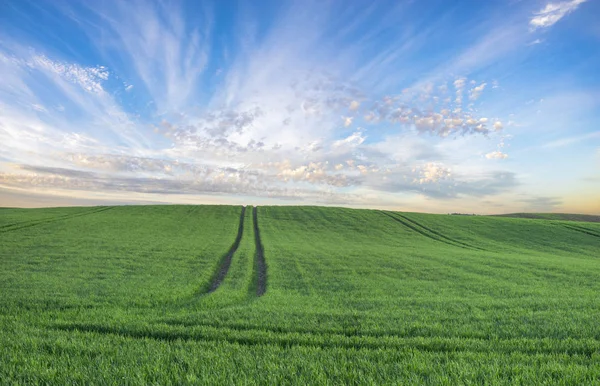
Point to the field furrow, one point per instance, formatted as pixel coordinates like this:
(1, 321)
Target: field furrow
(440, 235)
(581, 229)
(261, 265)
(223, 267)
(571, 347)
(423, 231)
(27, 224)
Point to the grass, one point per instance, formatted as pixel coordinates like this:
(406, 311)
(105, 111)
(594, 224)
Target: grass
(555, 216)
(122, 295)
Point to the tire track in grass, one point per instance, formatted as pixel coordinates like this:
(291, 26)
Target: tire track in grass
(425, 232)
(31, 223)
(303, 330)
(440, 234)
(223, 267)
(435, 344)
(27, 223)
(581, 229)
(260, 264)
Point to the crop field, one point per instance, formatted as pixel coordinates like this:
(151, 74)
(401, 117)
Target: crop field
(295, 295)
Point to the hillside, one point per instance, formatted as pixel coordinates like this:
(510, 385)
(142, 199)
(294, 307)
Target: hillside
(555, 216)
(295, 295)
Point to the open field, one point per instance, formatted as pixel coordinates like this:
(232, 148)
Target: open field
(555, 216)
(295, 295)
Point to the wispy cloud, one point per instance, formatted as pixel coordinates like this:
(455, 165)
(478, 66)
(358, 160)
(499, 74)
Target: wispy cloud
(553, 12)
(166, 53)
(562, 142)
(541, 203)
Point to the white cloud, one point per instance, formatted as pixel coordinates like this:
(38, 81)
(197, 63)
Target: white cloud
(496, 155)
(347, 121)
(459, 83)
(433, 172)
(38, 107)
(476, 92)
(354, 105)
(89, 78)
(353, 140)
(553, 12)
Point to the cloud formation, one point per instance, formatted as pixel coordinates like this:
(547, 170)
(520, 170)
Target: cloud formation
(553, 12)
(541, 203)
(496, 155)
(318, 103)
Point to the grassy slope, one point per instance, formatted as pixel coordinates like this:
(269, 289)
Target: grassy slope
(123, 255)
(353, 296)
(555, 216)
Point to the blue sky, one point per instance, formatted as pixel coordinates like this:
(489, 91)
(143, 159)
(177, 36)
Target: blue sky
(437, 106)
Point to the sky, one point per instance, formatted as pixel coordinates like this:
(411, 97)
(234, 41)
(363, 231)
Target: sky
(430, 106)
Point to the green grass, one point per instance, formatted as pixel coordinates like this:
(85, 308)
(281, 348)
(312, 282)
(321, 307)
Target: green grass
(555, 216)
(119, 295)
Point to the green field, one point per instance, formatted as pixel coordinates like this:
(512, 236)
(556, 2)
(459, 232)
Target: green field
(192, 294)
(555, 216)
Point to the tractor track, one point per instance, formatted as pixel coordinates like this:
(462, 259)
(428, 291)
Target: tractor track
(31, 223)
(223, 267)
(440, 234)
(261, 266)
(428, 232)
(335, 341)
(581, 230)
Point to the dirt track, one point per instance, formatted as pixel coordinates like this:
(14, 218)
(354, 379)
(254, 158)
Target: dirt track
(226, 261)
(261, 266)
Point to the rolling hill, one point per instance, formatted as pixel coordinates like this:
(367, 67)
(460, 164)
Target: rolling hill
(295, 295)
